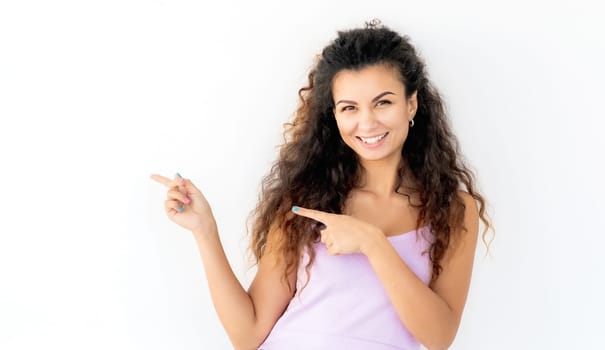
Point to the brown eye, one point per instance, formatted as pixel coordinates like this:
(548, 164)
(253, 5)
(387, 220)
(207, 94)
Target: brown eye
(381, 102)
(345, 108)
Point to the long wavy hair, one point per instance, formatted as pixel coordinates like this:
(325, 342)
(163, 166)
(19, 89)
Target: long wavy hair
(316, 169)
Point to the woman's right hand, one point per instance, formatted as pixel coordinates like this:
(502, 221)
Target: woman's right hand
(197, 214)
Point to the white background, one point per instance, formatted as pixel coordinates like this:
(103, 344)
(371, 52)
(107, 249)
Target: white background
(97, 95)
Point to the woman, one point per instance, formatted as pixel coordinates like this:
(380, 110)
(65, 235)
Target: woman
(367, 224)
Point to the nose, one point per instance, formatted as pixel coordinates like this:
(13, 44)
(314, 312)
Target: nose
(367, 118)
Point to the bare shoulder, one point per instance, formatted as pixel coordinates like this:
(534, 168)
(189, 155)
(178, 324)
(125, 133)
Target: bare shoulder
(470, 203)
(471, 215)
(269, 292)
(467, 235)
(453, 282)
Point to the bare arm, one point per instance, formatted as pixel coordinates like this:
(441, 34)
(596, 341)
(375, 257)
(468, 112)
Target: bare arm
(433, 314)
(247, 317)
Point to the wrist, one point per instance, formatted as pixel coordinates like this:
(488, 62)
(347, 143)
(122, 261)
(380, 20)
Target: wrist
(207, 230)
(373, 242)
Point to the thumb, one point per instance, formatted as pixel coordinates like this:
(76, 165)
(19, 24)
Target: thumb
(190, 187)
(198, 200)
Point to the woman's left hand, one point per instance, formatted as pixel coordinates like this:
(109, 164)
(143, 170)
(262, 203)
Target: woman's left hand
(343, 234)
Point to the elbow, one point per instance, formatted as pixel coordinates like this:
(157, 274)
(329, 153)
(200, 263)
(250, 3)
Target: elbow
(441, 346)
(441, 340)
(245, 345)
(249, 342)
(441, 343)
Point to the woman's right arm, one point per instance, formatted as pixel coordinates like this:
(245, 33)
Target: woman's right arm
(247, 317)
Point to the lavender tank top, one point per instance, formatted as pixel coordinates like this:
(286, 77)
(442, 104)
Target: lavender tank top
(344, 305)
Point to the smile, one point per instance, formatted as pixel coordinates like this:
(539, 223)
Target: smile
(372, 140)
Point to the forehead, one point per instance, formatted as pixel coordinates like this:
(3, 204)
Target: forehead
(366, 82)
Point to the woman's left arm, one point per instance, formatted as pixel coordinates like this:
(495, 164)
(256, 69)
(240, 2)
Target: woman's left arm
(431, 314)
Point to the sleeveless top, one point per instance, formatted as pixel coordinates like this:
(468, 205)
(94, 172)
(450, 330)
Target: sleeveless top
(344, 305)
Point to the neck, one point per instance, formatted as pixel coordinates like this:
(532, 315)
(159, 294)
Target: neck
(380, 176)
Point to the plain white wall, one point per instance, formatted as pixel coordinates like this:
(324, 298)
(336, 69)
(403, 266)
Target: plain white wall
(95, 96)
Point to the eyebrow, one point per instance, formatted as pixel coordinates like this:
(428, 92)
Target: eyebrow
(373, 100)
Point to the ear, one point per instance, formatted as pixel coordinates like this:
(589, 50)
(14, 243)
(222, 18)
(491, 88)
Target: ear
(413, 104)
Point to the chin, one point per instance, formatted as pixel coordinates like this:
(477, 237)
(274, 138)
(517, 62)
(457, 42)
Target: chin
(365, 155)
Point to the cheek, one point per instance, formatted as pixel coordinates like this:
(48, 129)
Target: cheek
(397, 121)
(345, 128)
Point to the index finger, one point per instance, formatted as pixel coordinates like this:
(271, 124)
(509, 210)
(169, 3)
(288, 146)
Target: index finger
(164, 180)
(317, 215)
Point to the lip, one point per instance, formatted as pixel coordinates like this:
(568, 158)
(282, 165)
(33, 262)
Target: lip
(375, 145)
(369, 137)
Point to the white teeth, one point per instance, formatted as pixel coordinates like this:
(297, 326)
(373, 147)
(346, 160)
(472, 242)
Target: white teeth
(372, 140)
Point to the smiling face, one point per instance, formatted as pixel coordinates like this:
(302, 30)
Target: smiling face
(372, 112)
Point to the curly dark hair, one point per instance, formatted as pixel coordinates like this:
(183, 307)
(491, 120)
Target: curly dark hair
(316, 169)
